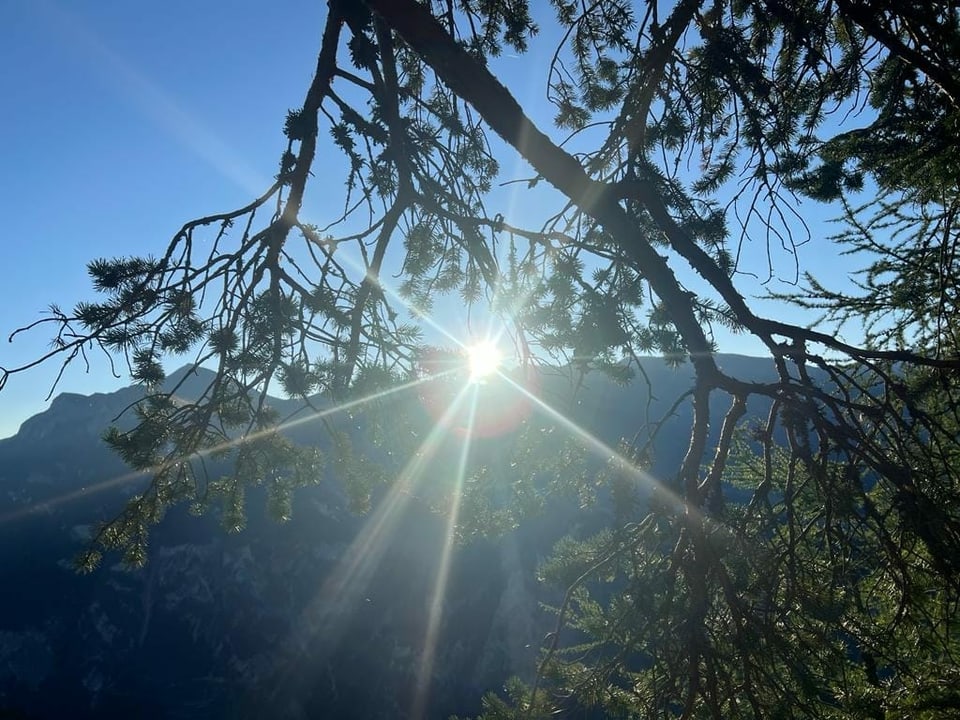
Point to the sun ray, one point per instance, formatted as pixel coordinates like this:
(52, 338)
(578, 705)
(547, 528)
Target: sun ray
(86, 491)
(422, 689)
(341, 591)
(388, 289)
(493, 339)
(600, 448)
(155, 103)
(46, 505)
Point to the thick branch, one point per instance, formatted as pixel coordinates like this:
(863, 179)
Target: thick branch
(326, 68)
(473, 82)
(867, 18)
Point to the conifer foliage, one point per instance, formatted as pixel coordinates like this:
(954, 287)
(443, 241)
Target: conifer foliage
(684, 135)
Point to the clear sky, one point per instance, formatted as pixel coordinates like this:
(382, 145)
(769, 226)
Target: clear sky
(123, 120)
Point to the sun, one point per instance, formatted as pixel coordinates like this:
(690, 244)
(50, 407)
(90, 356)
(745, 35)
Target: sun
(484, 359)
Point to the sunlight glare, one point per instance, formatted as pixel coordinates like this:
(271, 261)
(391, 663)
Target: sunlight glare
(49, 504)
(484, 359)
(425, 672)
(605, 452)
(342, 592)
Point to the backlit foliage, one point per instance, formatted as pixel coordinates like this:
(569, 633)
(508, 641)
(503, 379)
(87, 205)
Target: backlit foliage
(803, 565)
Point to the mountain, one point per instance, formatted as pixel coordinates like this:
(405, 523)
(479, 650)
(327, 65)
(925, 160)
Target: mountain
(327, 615)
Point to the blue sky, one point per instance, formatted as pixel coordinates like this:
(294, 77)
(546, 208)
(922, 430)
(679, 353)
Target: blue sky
(123, 120)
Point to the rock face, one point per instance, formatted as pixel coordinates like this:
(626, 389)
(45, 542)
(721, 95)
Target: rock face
(329, 615)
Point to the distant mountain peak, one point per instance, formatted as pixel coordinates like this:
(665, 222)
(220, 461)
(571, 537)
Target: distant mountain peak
(189, 380)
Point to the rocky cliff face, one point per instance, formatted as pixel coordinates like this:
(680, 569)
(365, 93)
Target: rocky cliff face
(307, 619)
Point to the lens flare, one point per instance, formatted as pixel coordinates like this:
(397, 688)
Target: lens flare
(484, 359)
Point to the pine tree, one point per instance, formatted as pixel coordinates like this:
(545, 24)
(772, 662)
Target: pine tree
(829, 593)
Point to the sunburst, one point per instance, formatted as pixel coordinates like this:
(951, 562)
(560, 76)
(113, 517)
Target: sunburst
(484, 359)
